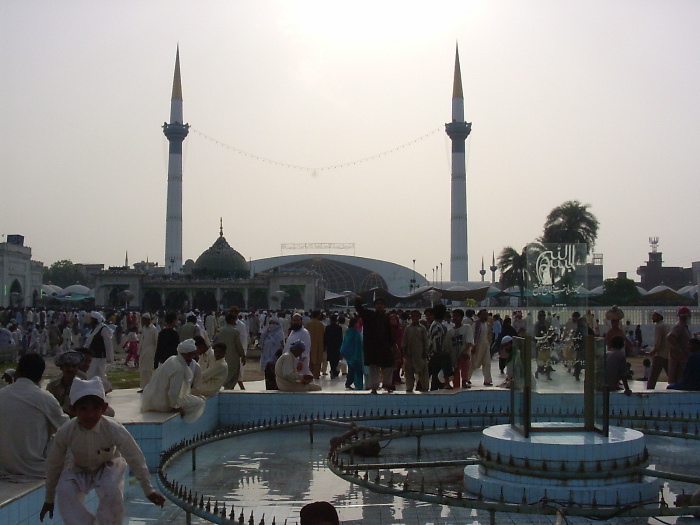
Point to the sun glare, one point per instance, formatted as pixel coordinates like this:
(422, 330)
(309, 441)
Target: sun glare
(365, 23)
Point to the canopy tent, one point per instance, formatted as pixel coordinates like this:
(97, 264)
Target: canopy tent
(51, 289)
(689, 291)
(330, 296)
(477, 294)
(76, 289)
(657, 289)
(491, 291)
(666, 297)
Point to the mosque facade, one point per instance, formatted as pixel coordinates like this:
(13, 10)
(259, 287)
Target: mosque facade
(221, 277)
(20, 276)
(218, 279)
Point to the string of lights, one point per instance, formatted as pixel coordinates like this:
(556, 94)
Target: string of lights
(316, 169)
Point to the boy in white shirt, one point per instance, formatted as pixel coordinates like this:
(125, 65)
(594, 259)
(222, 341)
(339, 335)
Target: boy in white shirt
(96, 444)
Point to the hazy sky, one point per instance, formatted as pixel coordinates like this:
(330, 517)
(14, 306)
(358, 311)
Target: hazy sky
(588, 100)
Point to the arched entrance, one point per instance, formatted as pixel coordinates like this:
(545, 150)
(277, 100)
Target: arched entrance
(16, 295)
(204, 300)
(151, 301)
(176, 300)
(257, 299)
(233, 298)
(293, 298)
(113, 298)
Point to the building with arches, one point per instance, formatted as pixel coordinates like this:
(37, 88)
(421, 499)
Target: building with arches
(342, 273)
(20, 277)
(219, 279)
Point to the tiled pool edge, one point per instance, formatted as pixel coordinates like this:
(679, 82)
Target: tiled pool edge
(229, 408)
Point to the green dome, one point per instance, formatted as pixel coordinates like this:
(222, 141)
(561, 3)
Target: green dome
(221, 261)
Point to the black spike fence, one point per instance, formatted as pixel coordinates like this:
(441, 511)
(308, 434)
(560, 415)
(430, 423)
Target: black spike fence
(414, 424)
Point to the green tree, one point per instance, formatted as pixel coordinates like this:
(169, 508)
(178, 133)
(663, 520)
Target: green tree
(62, 273)
(571, 222)
(619, 291)
(513, 267)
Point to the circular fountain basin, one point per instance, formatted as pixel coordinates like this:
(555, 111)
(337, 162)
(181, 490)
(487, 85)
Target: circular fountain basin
(579, 467)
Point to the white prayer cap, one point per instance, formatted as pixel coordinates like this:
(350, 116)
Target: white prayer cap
(146, 316)
(97, 315)
(90, 387)
(506, 339)
(297, 314)
(187, 346)
(660, 313)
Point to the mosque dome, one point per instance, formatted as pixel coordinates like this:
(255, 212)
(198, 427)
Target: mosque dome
(221, 261)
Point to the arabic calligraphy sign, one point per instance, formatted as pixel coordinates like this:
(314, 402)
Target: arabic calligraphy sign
(556, 271)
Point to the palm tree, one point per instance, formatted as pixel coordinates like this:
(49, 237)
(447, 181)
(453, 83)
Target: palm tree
(571, 222)
(513, 266)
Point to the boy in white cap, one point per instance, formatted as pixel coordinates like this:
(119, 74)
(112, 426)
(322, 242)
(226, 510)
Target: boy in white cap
(96, 446)
(170, 387)
(9, 376)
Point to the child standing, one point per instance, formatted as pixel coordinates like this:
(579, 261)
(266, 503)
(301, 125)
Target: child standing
(96, 444)
(132, 347)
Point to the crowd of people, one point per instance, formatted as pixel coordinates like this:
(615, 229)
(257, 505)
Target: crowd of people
(184, 358)
(373, 348)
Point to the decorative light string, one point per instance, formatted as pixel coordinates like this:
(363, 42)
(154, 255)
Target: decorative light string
(323, 168)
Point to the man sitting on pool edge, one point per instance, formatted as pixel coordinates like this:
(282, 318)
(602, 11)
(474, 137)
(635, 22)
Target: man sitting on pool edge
(289, 378)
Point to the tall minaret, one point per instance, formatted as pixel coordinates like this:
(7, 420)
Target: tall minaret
(175, 132)
(458, 130)
(493, 267)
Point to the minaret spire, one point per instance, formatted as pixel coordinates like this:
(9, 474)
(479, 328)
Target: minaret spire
(175, 132)
(457, 82)
(493, 267)
(177, 81)
(458, 130)
(221, 226)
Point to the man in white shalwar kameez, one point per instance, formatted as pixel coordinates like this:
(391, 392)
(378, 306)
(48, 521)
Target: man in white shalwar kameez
(170, 389)
(299, 333)
(148, 340)
(214, 371)
(210, 325)
(286, 374)
(99, 340)
(28, 418)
